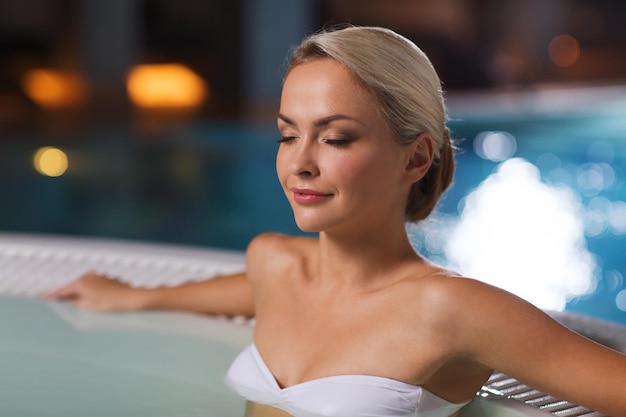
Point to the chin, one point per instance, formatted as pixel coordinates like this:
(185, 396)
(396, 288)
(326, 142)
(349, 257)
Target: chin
(308, 227)
(318, 219)
(311, 224)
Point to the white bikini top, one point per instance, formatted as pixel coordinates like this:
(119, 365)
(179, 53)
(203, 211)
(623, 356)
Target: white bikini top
(338, 396)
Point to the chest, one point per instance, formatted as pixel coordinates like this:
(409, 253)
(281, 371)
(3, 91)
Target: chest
(303, 338)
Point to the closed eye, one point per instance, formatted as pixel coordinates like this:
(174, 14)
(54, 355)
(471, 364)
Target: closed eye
(286, 139)
(338, 142)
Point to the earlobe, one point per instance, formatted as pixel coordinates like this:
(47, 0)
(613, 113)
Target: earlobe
(420, 157)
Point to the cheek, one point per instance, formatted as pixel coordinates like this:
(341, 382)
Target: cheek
(280, 165)
(356, 170)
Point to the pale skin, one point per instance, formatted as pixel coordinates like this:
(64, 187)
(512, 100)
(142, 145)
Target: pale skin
(359, 299)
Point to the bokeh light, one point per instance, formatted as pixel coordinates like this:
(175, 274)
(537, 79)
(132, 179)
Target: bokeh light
(564, 50)
(613, 280)
(52, 89)
(593, 178)
(620, 300)
(165, 86)
(617, 217)
(50, 161)
(520, 234)
(495, 146)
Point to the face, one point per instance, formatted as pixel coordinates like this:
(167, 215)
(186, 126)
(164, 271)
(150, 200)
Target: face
(337, 162)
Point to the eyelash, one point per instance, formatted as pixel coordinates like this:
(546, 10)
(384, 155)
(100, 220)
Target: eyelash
(333, 142)
(285, 139)
(338, 142)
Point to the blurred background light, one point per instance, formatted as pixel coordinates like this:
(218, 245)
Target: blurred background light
(165, 86)
(50, 161)
(614, 280)
(495, 146)
(620, 300)
(593, 178)
(54, 89)
(564, 50)
(617, 217)
(520, 234)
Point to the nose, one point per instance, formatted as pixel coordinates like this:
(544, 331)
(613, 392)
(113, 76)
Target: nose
(301, 157)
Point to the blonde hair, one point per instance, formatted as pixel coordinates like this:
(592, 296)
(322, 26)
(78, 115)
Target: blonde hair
(407, 89)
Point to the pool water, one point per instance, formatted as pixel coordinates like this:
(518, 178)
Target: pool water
(59, 361)
(560, 190)
(538, 204)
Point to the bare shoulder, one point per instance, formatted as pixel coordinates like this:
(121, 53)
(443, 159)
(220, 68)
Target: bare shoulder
(457, 303)
(278, 245)
(471, 314)
(450, 290)
(500, 330)
(470, 300)
(271, 254)
(438, 288)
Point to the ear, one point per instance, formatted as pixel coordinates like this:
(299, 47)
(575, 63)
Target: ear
(420, 157)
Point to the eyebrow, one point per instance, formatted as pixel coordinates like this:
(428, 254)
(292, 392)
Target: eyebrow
(323, 121)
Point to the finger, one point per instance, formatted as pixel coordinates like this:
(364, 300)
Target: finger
(61, 296)
(59, 292)
(70, 289)
(62, 292)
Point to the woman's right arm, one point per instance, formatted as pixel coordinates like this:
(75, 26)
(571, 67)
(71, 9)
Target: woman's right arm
(229, 295)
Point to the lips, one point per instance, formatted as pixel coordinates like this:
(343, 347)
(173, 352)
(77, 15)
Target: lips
(307, 196)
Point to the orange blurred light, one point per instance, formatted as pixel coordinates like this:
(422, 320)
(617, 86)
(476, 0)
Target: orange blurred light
(53, 89)
(564, 50)
(165, 86)
(50, 161)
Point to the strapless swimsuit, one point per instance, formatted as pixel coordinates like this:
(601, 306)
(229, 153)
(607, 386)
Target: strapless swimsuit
(337, 396)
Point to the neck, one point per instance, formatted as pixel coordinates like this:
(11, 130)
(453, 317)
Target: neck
(367, 259)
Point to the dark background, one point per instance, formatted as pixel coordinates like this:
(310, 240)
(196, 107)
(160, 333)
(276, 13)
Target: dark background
(237, 47)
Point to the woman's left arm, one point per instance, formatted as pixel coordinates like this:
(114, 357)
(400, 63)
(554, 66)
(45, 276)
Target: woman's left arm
(504, 332)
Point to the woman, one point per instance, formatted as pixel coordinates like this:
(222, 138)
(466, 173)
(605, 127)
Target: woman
(356, 322)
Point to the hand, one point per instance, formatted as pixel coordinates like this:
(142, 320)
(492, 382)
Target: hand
(98, 292)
